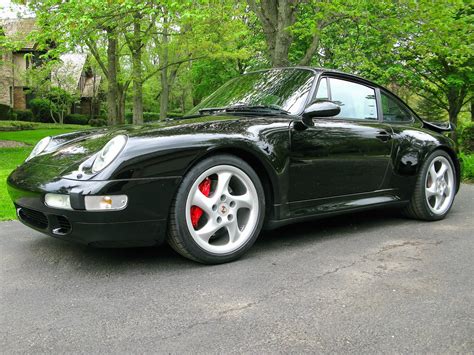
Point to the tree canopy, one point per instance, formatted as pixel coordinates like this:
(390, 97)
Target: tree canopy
(166, 56)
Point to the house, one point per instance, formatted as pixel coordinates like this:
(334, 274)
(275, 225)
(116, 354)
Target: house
(77, 77)
(14, 63)
(73, 74)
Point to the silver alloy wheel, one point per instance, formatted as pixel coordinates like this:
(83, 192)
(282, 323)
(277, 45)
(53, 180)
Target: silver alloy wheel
(439, 185)
(230, 212)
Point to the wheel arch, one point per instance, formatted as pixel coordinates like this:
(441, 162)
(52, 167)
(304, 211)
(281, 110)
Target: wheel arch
(251, 158)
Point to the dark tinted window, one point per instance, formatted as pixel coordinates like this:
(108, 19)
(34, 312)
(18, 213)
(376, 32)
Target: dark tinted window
(393, 111)
(357, 101)
(285, 89)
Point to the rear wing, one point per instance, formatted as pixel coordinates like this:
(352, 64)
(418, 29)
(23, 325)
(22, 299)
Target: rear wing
(440, 127)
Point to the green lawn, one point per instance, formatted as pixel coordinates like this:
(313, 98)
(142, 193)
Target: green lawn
(10, 158)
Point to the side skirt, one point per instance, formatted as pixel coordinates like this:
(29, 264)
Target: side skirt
(315, 209)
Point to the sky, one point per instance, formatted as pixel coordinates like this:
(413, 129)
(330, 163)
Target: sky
(9, 10)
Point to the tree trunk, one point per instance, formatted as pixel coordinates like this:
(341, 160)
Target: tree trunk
(112, 61)
(112, 91)
(165, 94)
(137, 71)
(472, 110)
(165, 89)
(122, 93)
(276, 16)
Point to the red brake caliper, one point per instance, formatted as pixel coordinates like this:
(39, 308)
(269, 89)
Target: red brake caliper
(196, 212)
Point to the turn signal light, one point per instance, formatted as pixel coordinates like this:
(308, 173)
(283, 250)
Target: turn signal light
(106, 203)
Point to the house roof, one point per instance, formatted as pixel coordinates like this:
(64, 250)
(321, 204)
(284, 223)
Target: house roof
(18, 30)
(67, 74)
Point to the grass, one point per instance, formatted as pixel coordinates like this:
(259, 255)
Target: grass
(10, 158)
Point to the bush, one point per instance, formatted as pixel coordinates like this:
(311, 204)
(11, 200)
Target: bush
(76, 118)
(147, 117)
(97, 122)
(24, 115)
(466, 138)
(151, 116)
(16, 126)
(467, 164)
(5, 112)
(41, 110)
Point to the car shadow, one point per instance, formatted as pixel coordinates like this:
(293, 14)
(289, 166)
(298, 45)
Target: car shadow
(155, 258)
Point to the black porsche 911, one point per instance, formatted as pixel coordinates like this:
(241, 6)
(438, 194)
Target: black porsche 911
(268, 148)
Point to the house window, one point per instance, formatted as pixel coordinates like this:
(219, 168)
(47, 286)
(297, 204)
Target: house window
(11, 95)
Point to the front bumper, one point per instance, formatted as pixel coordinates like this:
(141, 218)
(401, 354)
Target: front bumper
(142, 223)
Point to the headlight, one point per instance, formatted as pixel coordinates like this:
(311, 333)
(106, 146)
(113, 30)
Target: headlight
(109, 153)
(39, 147)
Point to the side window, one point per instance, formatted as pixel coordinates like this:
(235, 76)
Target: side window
(357, 101)
(322, 93)
(393, 111)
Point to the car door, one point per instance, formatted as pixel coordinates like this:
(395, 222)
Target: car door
(342, 155)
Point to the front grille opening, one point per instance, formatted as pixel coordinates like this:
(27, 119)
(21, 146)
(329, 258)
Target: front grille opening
(34, 218)
(62, 226)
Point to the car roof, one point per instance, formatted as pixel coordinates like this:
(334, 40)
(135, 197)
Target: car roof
(318, 70)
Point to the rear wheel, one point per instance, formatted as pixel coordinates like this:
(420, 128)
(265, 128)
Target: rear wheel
(217, 213)
(435, 188)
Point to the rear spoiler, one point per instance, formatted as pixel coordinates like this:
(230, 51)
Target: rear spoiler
(440, 127)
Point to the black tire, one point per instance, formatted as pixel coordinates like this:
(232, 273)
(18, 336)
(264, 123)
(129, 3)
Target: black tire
(418, 207)
(179, 236)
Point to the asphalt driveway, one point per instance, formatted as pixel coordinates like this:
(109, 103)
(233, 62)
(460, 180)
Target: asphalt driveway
(366, 283)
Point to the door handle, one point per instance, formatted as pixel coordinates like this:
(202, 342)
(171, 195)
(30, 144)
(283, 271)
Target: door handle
(384, 136)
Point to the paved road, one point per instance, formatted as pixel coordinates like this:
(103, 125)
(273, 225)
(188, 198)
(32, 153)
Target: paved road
(368, 283)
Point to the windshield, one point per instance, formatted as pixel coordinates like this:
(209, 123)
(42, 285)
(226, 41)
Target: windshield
(283, 89)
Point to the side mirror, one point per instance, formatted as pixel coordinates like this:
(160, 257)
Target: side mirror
(321, 109)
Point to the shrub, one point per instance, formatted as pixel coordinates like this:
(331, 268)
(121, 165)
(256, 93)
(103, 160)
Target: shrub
(16, 126)
(467, 164)
(76, 118)
(147, 117)
(466, 138)
(24, 115)
(97, 122)
(41, 110)
(5, 112)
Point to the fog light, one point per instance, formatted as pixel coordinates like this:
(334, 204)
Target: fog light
(106, 203)
(58, 201)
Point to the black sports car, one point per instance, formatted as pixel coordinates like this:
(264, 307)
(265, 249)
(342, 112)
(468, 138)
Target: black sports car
(268, 148)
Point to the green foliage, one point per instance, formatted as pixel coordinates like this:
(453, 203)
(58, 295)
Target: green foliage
(429, 111)
(466, 138)
(98, 122)
(147, 116)
(467, 165)
(76, 118)
(24, 115)
(5, 112)
(41, 109)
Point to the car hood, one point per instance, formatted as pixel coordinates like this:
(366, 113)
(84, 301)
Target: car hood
(67, 151)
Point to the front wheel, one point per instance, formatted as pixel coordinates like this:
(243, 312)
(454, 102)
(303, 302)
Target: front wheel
(218, 211)
(435, 188)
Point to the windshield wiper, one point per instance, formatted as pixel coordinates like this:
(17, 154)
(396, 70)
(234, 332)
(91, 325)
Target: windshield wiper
(245, 108)
(257, 108)
(211, 109)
